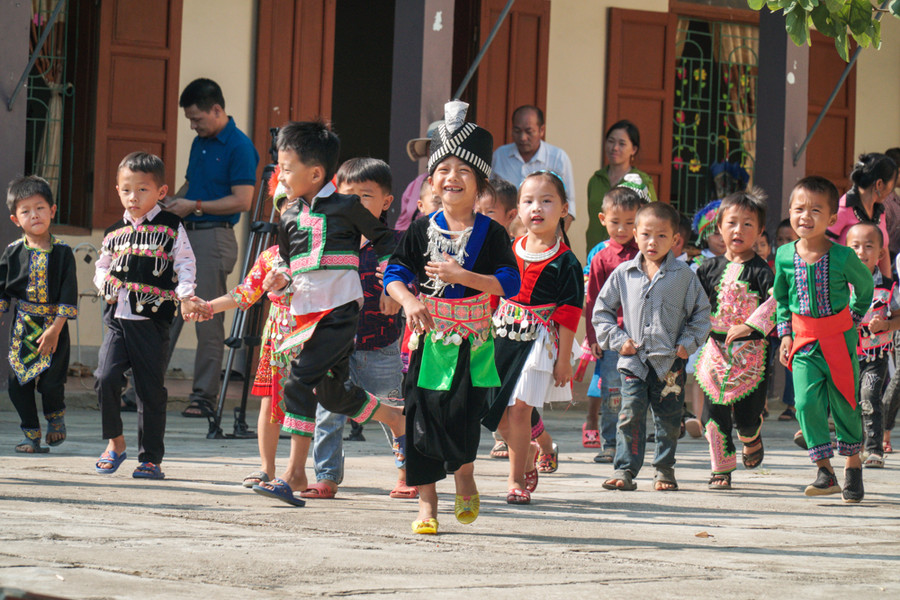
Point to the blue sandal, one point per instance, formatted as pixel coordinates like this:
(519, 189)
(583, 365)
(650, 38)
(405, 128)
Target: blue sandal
(110, 457)
(30, 446)
(56, 424)
(280, 490)
(148, 470)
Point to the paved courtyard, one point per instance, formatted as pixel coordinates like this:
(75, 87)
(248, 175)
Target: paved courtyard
(69, 532)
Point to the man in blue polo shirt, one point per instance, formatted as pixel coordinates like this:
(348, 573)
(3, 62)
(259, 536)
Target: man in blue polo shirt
(220, 180)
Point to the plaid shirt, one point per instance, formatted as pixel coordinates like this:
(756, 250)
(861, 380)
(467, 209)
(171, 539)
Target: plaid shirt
(659, 315)
(375, 330)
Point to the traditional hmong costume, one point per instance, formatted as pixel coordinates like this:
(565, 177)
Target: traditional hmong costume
(451, 367)
(146, 266)
(734, 377)
(815, 306)
(319, 240)
(527, 326)
(873, 351)
(43, 283)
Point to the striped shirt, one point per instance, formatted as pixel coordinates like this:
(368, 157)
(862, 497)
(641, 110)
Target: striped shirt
(658, 315)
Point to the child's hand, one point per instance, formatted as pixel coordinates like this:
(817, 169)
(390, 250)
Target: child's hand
(388, 305)
(877, 325)
(193, 308)
(417, 317)
(681, 352)
(596, 351)
(47, 341)
(448, 271)
(274, 281)
(787, 343)
(562, 372)
(629, 348)
(379, 275)
(738, 331)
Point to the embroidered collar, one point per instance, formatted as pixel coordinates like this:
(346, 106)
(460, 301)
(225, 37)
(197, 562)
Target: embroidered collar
(853, 201)
(53, 242)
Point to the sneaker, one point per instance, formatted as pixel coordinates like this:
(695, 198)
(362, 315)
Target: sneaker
(605, 456)
(853, 485)
(825, 484)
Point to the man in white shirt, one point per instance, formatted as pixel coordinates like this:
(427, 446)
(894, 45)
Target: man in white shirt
(529, 153)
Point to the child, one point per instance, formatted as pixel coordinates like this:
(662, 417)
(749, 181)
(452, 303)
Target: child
(665, 318)
(818, 332)
(375, 364)
(620, 205)
(146, 267)
(708, 237)
(497, 204)
(876, 340)
(38, 270)
(536, 327)
(785, 234)
(459, 258)
(731, 367)
(763, 247)
(319, 239)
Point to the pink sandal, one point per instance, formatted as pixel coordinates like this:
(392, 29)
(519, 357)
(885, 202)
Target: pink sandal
(590, 438)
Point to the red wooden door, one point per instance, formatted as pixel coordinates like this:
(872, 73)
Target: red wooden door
(137, 92)
(830, 152)
(514, 70)
(640, 86)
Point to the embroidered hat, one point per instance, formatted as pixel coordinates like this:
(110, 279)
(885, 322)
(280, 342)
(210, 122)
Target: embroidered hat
(466, 141)
(705, 220)
(634, 182)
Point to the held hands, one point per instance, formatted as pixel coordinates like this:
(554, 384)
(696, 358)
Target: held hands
(596, 351)
(787, 343)
(629, 348)
(196, 309)
(275, 281)
(417, 317)
(448, 271)
(681, 352)
(877, 325)
(47, 341)
(736, 332)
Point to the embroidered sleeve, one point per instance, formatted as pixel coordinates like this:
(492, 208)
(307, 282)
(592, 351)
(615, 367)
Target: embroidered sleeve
(763, 318)
(67, 298)
(781, 289)
(64, 310)
(246, 293)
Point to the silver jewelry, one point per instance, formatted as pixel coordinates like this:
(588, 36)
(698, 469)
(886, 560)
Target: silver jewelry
(534, 257)
(441, 241)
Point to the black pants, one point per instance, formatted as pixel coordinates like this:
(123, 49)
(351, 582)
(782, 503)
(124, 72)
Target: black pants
(51, 383)
(872, 375)
(321, 375)
(140, 346)
(745, 415)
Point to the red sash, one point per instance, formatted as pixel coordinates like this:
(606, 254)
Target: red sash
(829, 332)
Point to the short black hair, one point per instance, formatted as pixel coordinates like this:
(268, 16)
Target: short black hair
(537, 111)
(314, 143)
(765, 234)
(144, 162)
(660, 210)
(684, 228)
(875, 227)
(784, 223)
(505, 193)
(202, 93)
(753, 200)
(26, 187)
(820, 185)
(624, 198)
(360, 170)
(872, 167)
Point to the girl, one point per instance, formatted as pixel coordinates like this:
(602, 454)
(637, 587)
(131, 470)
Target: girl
(459, 259)
(873, 176)
(731, 368)
(536, 327)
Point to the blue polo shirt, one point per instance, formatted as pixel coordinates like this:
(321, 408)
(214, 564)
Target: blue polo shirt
(218, 163)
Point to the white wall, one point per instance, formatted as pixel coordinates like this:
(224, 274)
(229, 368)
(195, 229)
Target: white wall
(877, 92)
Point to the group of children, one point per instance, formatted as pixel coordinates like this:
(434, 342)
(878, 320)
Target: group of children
(491, 324)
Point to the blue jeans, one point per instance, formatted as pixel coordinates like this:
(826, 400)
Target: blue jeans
(665, 397)
(376, 371)
(610, 393)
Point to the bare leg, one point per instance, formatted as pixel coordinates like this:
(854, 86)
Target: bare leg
(546, 442)
(295, 474)
(117, 445)
(853, 462)
(826, 462)
(267, 437)
(465, 481)
(518, 437)
(392, 417)
(593, 414)
(428, 502)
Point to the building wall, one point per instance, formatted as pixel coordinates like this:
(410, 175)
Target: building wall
(217, 41)
(877, 88)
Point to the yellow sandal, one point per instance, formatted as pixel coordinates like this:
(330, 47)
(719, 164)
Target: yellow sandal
(466, 508)
(427, 526)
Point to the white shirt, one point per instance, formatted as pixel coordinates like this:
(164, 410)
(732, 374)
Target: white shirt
(510, 165)
(184, 265)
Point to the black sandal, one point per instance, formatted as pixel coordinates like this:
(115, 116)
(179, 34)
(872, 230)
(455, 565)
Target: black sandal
(197, 409)
(720, 481)
(753, 459)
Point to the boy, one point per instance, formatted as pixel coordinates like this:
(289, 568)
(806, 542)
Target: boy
(38, 270)
(817, 317)
(499, 201)
(665, 319)
(763, 247)
(319, 240)
(876, 341)
(375, 363)
(146, 267)
(620, 205)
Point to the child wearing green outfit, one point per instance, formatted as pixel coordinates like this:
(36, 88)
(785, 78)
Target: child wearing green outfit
(818, 315)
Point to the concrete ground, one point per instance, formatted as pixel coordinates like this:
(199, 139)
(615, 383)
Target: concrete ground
(66, 531)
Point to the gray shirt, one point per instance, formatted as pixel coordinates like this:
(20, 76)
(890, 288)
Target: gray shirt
(658, 315)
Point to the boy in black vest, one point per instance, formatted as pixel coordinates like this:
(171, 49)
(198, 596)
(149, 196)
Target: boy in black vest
(146, 268)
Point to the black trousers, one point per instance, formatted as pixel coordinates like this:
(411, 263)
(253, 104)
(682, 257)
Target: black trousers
(872, 376)
(51, 384)
(140, 346)
(745, 415)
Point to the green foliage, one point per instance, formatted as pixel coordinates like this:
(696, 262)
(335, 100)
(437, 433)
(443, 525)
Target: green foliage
(837, 19)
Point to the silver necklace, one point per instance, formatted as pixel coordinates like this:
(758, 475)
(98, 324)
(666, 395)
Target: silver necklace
(534, 257)
(439, 243)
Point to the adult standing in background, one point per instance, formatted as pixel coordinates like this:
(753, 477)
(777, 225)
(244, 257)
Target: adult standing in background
(623, 140)
(218, 187)
(529, 153)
